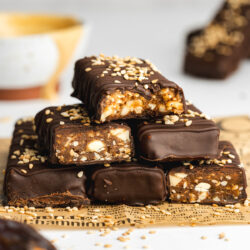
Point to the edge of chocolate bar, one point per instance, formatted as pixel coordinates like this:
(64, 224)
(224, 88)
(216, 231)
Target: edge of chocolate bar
(30, 180)
(173, 138)
(16, 235)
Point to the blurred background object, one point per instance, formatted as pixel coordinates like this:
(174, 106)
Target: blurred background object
(153, 29)
(217, 50)
(34, 50)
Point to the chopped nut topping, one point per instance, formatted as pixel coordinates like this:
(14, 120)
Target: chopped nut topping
(48, 120)
(154, 81)
(188, 123)
(88, 69)
(47, 112)
(80, 174)
(221, 36)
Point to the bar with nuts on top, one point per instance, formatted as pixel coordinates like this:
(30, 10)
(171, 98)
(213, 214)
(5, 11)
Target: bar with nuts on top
(129, 183)
(217, 50)
(114, 88)
(188, 136)
(71, 138)
(219, 181)
(30, 180)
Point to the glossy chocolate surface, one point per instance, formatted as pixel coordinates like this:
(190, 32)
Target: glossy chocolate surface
(129, 183)
(163, 140)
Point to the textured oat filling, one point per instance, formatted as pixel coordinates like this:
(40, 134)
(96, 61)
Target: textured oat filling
(108, 144)
(210, 188)
(118, 105)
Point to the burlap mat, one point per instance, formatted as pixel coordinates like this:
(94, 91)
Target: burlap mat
(235, 129)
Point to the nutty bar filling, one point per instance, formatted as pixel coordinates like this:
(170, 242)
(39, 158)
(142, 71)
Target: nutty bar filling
(123, 104)
(223, 185)
(100, 144)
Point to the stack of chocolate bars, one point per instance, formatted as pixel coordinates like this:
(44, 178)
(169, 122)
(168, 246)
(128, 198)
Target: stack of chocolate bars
(217, 50)
(133, 140)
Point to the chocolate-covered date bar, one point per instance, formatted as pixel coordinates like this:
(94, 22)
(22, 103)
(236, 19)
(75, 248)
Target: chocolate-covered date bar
(120, 88)
(129, 183)
(71, 138)
(217, 50)
(219, 181)
(172, 138)
(19, 236)
(31, 181)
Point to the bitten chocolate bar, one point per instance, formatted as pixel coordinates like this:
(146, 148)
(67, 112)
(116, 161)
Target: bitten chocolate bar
(71, 138)
(219, 181)
(217, 50)
(129, 183)
(19, 236)
(121, 88)
(173, 138)
(31, 181)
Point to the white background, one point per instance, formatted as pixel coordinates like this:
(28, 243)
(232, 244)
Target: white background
(153, 29)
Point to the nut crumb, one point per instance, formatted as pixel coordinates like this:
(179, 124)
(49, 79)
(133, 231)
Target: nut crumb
(107, 245)
(48, 120)
(188, 123)
(221, 236)
(80, 174)
(152, 231)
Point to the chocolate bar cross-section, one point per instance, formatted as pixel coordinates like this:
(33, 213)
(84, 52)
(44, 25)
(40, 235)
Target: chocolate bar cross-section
(114, 88)
(71, 138)
(219, 181)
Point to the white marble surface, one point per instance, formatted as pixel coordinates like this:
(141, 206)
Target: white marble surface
(153, 29)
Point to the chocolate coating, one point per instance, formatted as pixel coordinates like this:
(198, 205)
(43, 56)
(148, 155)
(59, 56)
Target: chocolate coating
(177, 141)
(224, 59)
(30, 179)
(90, 88)
(17, 236)
(131, 183)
